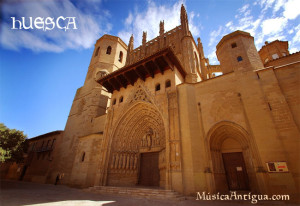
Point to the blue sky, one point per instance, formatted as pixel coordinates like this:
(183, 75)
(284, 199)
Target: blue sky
(41, 70)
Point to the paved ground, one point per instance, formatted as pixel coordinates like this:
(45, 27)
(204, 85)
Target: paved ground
(14, 193)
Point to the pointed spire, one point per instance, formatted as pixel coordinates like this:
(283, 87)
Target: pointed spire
(144, 38)
(130, 44)
(161, 28)
(184, 20)
(200, 48)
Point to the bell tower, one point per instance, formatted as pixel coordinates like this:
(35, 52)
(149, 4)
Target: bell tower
(91, 100)
(109, 55)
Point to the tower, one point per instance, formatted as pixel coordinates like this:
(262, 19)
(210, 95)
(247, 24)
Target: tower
(236, 52)
(90, 103)
(273, 50)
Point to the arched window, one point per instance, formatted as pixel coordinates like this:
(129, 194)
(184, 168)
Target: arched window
(121, 99)
(233, 45)
(239, 58)
(157, 87)
(121, 56)
(83, 156)
(108, 50)
(97, 51)
(114, 101)
(168, 83)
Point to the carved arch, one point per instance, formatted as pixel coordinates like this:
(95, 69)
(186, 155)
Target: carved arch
(130, 138)
(216, 136)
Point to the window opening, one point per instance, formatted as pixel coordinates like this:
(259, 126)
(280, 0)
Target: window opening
(121, 56)
(168, 83)
(157, 87)
(83, 156)
(108, 51)
(97, 51)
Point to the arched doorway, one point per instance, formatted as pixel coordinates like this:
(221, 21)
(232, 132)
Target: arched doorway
(137, 155)
(234, 165)
(231, 158)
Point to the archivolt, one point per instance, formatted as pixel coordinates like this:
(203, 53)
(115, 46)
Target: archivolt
(134, 124)
(222, 130)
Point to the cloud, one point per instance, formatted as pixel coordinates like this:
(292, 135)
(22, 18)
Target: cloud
(291, 9)
(269, 28)
(55, 40)
(214, 34)
(296, 38)
(148, 20)
(265, 20)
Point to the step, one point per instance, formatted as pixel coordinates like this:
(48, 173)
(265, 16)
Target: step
(137, 192)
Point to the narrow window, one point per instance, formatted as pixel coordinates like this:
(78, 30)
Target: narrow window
(121, 57)
(108, 51)
(233, 45)
(114, 101)
(168, 83)
(97, 51)
(121, 99)
(239, 58)
(157, 87)
(83, 156)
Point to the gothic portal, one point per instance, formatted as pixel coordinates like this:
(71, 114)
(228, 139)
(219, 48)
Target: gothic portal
(137, 155)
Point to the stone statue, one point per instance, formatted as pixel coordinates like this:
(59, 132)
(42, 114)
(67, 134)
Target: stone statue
(149, 135)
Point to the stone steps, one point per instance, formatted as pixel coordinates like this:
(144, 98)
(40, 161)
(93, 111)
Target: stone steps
(149, 193)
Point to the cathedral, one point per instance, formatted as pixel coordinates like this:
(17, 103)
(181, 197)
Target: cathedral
(158, 116)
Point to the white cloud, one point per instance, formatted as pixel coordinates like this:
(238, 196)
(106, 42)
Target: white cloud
(194, 28)
(55, 40)
(266, 20)
(129, 19)
(148, 20)
(278, 4)
(296, 38)
(213, 36)
(291, 9)
(293, 50)
(273, 26)
(244, 8)
(212, 57)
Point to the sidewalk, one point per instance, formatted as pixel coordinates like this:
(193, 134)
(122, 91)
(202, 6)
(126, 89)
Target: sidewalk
(15, 193)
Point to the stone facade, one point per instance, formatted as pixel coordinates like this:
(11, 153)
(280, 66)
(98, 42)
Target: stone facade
(207, 133)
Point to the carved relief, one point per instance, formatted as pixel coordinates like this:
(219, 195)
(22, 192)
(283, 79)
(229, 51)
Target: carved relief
(124, 162)
(140, 130)
(175, 156)
(140, 95)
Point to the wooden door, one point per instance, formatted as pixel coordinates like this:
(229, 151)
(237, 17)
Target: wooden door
(149, 172)
(235, 169)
